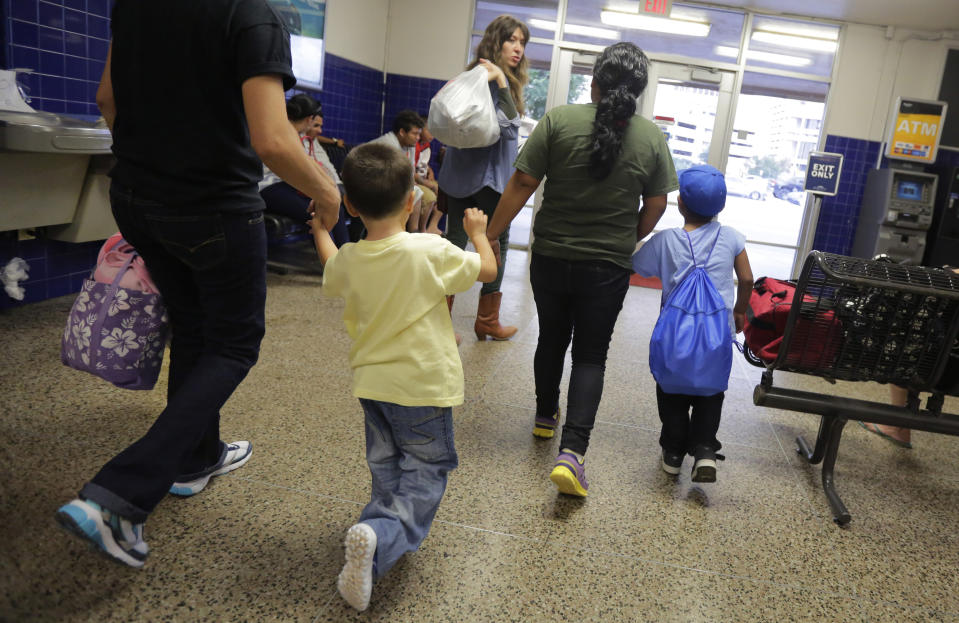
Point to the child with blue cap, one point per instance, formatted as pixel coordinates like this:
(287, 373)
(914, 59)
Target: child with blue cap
(669, 255)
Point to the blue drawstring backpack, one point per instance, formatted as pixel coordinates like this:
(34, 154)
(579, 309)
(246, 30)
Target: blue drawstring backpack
(691, 351)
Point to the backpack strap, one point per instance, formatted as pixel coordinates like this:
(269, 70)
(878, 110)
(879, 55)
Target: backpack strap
(708, 255)
(715, 240)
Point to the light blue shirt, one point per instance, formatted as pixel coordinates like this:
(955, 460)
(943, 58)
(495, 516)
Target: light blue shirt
(666, 255)
(467, 171)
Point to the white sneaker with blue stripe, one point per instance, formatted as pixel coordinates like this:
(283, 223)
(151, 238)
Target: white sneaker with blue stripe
(237, 453)
(105, 531)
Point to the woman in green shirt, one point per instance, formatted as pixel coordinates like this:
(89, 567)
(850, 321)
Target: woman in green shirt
(599, 161)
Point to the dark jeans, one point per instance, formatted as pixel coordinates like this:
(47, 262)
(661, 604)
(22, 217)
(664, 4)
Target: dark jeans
(283, 199)
(486, 200)
(681, 433)
(578, 301)
(210, 268)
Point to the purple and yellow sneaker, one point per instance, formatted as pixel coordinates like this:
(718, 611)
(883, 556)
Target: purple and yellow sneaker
(545, 427)
(569, 475)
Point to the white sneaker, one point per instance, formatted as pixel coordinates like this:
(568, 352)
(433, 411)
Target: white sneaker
(237, 454)
(105, 531)
(355, 582)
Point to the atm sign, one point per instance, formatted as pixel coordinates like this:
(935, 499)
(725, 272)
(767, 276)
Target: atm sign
(916, 127)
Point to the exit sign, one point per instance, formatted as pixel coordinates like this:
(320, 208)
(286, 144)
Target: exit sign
(661, 8)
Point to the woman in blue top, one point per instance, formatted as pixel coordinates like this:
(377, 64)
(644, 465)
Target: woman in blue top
(476, 177)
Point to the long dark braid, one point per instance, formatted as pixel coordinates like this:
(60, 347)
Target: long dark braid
(621, 73)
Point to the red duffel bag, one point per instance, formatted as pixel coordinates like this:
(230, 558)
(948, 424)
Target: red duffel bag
(816, 334)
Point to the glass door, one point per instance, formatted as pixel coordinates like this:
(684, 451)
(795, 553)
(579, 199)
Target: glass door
(691, 106)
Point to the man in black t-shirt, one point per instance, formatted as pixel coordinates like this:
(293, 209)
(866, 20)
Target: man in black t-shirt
(193, 93)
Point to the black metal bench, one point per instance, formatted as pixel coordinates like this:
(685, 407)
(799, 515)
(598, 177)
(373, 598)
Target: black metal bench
(864, 320)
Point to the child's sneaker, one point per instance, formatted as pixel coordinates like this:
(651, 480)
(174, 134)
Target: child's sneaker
(237, 453)
(569, 475)
(672, 461)
(356, 579)
(704, 469)
(105, 531)
(545, 427)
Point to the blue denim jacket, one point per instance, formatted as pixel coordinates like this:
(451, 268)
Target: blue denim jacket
(467, 171)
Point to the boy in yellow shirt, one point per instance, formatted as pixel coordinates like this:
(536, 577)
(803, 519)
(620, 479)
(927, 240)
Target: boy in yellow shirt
(407, 372)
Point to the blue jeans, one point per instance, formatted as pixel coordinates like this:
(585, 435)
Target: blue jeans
(576, 301)
(410, 451)
(210, 268)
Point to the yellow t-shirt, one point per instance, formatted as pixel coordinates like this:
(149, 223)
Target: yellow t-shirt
(404, 350)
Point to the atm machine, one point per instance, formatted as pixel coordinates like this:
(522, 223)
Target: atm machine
(942, 243)
(897, 210)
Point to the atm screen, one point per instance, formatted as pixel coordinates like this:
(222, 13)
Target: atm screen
(909, 190)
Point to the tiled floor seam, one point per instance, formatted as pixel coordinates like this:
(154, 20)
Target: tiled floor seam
(813, 511)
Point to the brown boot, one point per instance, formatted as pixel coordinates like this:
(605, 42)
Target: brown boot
(487, 319)
(449, 304)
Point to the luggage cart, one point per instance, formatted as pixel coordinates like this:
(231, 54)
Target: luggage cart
(863, 320)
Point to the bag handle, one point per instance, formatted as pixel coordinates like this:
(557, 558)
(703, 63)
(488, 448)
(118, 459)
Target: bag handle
(104, 308)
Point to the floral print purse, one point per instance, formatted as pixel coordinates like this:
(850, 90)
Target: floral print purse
(116, 333)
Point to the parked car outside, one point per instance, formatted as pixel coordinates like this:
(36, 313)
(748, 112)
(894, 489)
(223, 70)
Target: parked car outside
(788, 186)
(751, 186)
(795, 196)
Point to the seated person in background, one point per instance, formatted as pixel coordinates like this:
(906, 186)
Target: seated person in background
(426, 180)
(314, 147)
(407, 128)
(313, 144)
(315, 131)
(281, 198)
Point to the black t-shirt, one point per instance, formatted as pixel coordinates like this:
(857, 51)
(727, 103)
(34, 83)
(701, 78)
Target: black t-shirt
(180, 135)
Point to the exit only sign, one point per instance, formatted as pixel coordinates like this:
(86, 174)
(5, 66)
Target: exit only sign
(656, 7)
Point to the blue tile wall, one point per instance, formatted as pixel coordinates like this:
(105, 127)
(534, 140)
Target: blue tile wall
(839, 215)
(65, 42)
(352, 99)
(3, 35)
(55, 268)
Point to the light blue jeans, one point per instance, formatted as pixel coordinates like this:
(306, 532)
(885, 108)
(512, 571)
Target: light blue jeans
(410, 452)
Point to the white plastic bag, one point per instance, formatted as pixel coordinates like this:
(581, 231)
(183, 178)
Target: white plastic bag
(462, 112)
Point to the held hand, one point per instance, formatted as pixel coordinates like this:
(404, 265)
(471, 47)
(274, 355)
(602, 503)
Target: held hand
(325, 219)
(474, 222)
(740, 319)
(494, 72)
(494, 244)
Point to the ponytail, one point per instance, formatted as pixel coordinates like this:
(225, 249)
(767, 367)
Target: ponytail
(621, 73)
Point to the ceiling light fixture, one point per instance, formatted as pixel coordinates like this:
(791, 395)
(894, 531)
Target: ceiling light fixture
(764, 57)
(800, 42)
(670, 26)
(577, 29)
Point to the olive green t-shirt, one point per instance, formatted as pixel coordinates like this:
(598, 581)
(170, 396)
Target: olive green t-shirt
(581, 218)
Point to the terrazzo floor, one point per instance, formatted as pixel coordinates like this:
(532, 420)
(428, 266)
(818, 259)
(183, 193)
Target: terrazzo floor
(264, 542)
